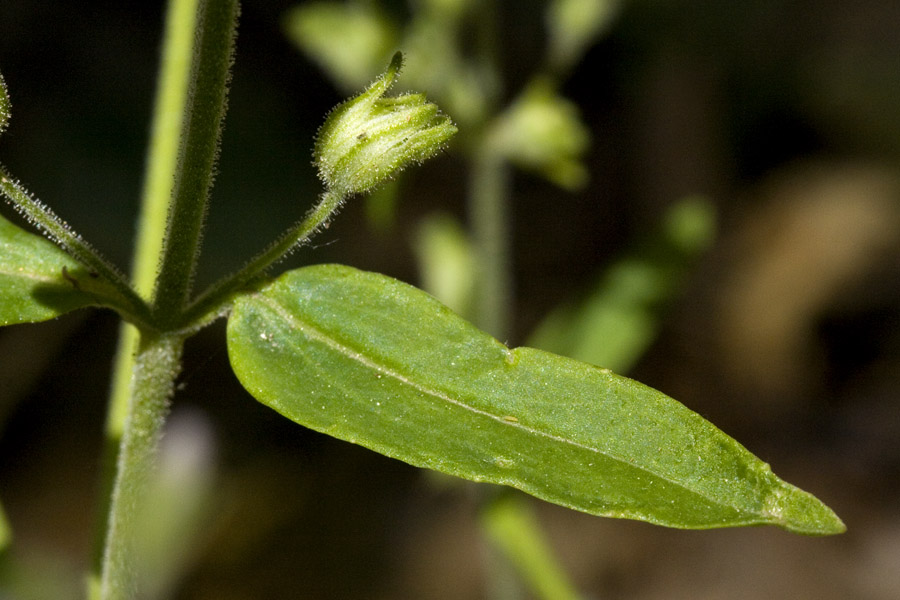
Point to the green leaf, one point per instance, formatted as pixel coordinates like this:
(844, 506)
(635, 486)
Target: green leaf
(573, 24)
(613, 326)
(543, 131)
(351, 41)
(446, 262)
(38, 281)
(376, 362)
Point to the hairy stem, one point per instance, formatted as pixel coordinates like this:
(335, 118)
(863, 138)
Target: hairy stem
(161, 162)
(204, 113)
(162, 151)
(190, 106)
(213, 301)
(155, 367)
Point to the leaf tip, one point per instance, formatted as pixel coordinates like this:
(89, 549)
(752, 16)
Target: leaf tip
(395, 66)
(800, 512)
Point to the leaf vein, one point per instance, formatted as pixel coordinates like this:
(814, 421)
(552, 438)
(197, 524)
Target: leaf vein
(313, 332)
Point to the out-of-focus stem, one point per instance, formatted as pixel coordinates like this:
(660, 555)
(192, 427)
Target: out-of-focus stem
(489, 215)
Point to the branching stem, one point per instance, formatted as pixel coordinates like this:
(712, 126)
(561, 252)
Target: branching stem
(199, 115)
(59, 231)
(216, 299)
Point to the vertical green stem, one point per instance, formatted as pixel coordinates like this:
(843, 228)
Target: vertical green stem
(156, 365)
(508, 524)
(205, 110)
(161, 161)
(162, 152)
(489, 214)
(190, 106)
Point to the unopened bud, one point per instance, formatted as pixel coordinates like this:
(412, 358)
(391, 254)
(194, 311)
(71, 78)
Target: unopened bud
(369, 138)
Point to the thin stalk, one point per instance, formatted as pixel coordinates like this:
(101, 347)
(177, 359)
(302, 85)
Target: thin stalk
(204, 113)
(158, 358)
(510, 523)
(157, 363)
(162, 152)
(489, 215)
(161, 162)
(507, 523)
(213, 301)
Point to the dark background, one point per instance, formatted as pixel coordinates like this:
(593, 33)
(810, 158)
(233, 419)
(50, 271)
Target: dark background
(785, 114)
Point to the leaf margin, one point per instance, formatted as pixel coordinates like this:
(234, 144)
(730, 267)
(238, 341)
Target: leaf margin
(783, 505)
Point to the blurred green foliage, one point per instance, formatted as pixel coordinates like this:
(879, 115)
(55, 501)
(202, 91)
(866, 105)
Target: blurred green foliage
(620, 317)
(744, 90)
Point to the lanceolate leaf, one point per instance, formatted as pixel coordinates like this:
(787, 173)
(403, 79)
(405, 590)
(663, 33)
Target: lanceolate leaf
(38, 281)
(376, 362)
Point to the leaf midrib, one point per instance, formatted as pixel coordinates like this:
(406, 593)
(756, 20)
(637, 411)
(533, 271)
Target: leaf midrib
(315, 333)
(32, 275)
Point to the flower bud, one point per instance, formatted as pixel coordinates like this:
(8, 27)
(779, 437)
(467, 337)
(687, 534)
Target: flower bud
(369, 138)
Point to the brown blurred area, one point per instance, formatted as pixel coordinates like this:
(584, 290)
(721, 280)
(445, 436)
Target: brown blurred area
(785, 114)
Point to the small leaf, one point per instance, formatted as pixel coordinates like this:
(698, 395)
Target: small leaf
(38, 281)
(376, 362)
(350, 41)
(573, 24)
(446, 262)
(543, 131)
(613, 326)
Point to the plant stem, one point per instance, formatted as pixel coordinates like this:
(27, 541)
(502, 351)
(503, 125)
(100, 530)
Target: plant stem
(189, 118)
(489, 215)
(162, 152)
(156, 365)
(511, 524)
(161, 162)
(214, 300)
(204, 113)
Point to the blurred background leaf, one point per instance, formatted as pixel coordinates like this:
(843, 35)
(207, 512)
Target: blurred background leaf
(619, 319)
